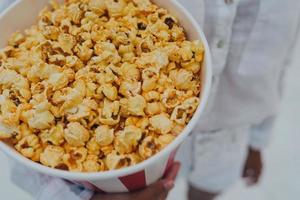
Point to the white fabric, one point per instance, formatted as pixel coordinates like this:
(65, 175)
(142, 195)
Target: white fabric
(250, 41)
(218, 158)
(261, 134)
(42, 187)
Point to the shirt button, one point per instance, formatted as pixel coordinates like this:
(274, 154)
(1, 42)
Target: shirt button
(228, 2)
(221, 44)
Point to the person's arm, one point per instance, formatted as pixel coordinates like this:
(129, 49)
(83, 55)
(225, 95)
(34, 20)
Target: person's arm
(43, 187)
(260, 136)
(261, 133)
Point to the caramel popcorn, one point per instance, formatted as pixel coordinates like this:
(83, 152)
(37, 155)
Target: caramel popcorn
(98, 85)
(75, 134)
(52, 156)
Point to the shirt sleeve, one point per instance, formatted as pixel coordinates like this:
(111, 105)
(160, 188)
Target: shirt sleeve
(294, 43)
(260, 134)
(42, 187)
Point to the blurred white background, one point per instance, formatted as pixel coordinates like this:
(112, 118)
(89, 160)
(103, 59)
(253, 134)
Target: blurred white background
(281, 179)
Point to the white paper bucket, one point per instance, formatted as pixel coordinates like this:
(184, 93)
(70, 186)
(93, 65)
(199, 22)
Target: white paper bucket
(21, 15)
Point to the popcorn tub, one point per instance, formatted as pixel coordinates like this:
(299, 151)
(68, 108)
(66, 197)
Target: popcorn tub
(22, 14)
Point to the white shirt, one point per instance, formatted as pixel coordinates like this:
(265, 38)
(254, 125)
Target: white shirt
(250, 41)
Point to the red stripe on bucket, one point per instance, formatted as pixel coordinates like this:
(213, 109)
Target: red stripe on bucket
(170, 161)
(134, 181)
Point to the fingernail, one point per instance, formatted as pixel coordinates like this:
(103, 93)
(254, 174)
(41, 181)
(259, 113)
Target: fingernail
(169, 185)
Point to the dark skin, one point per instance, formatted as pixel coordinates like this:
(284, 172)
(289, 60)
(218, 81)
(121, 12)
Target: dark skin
(157, 191)
(253, 167)
(252, 172)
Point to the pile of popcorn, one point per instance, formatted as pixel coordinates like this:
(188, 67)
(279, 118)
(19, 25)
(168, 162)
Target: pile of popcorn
(98, 85)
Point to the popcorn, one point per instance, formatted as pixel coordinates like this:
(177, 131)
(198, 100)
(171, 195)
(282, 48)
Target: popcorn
(104, 136)
(115, 8)
(98, 85)
(53, 136)
(131, 159)
(182, 79)
(192, 66)
(109, 91)
(128, 89)
(93, 164)
(74, 62)
(148, 147)
(171, 98)
(41, 120)
(110, 113)
(75, 134)
(112, 160)
(97, 6)
(6, 131)
(16, 39)
(150, 76)
(127, 139)
(66, 42)
(10, 113)
(82, 110)
(74, 159)
(136, 105)
(10, 78)
(177, 129)
(83, 52)
(74, 12)
(51, 32)
(157, 59)
(130, 72)
(191, 104)
(93, 147)
(161, 123)
(179, 115)
(74, 95)
(164, 140)
(28, 146)
(58, 80)
(154, 108)
(140, 122)
(52, 156)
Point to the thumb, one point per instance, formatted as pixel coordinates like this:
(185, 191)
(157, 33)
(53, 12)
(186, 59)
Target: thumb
(173, 172)
(160, 189)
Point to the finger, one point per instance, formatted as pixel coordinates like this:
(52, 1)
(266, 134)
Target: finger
(248, 173)
(172, 174)
(249, 176)
(249, 182)
(169, 180)
(252, 177)
(158, 190)
(256, 177)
